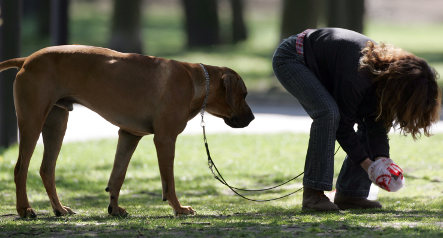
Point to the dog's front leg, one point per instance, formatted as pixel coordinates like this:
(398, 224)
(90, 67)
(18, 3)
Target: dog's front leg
(165, 146)
(125, 148)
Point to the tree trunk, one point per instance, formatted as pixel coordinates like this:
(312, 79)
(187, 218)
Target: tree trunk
(126, 26)
(239, 30)
(202, 24)
(347, 14)
(356, 15)
(337, 13)
(10, 15)
(298, 15)
(43, 18)
(59, 22)
(29, 8)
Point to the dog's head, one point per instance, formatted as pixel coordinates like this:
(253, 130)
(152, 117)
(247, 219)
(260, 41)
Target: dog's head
(229, 102)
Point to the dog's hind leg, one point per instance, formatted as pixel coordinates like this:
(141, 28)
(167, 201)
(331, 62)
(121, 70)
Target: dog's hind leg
(31, 109)
(53, 132)
(125, 148)
(28, 139)
(165, 146)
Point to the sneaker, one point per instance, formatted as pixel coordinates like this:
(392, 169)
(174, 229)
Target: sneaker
(347, 202)
(316, 200)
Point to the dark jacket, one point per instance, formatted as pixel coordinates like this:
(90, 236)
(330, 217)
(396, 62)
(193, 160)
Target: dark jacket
(333, 55)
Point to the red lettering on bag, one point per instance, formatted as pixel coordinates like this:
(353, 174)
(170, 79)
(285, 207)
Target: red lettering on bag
(383, 181)
(395, 170)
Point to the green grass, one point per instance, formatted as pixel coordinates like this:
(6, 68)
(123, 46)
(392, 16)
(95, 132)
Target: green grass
(245, 160)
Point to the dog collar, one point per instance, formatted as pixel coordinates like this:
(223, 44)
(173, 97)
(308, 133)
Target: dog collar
(205, 101)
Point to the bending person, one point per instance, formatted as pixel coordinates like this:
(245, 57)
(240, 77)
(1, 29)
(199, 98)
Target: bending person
(342, 78)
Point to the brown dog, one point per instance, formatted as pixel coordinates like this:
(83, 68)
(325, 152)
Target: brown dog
(140, 94)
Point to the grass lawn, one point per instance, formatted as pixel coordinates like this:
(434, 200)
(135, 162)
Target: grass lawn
(245, 160)
(83, 170)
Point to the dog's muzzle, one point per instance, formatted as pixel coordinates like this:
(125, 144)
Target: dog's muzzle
(239, 121)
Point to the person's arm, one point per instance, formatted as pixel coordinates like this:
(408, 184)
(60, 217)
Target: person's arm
(349, 140)
(350, 98)
(377, 137)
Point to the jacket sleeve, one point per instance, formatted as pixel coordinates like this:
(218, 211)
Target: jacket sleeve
(349, 140)
(349, 99)
(377, 137)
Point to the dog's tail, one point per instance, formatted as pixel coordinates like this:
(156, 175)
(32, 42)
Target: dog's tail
(12, 63)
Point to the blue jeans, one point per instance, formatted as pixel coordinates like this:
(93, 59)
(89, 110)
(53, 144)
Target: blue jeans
(301, 82)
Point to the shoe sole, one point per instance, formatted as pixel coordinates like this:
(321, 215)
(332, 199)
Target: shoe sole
(307, 209)
(353, 206)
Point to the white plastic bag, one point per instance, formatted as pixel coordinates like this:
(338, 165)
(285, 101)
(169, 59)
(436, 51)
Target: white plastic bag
(386, 174)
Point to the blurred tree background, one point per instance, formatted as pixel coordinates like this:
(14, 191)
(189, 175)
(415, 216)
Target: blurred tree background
(241, 34)
(238, 33)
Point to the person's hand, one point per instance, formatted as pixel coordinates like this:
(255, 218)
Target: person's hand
(380, 157)
(386, 174)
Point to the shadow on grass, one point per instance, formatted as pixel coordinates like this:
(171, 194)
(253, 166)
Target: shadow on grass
(276, 222)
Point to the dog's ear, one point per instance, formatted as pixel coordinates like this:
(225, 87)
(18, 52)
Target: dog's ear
(228, 80)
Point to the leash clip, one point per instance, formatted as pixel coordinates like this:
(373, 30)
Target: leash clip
(202, 123)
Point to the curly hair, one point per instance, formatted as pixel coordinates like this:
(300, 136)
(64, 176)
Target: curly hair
(406, 87)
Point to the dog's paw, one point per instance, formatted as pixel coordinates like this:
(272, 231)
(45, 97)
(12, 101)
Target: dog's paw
(26, 213)
(117, 212)
(63, 211)
(184, 210)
